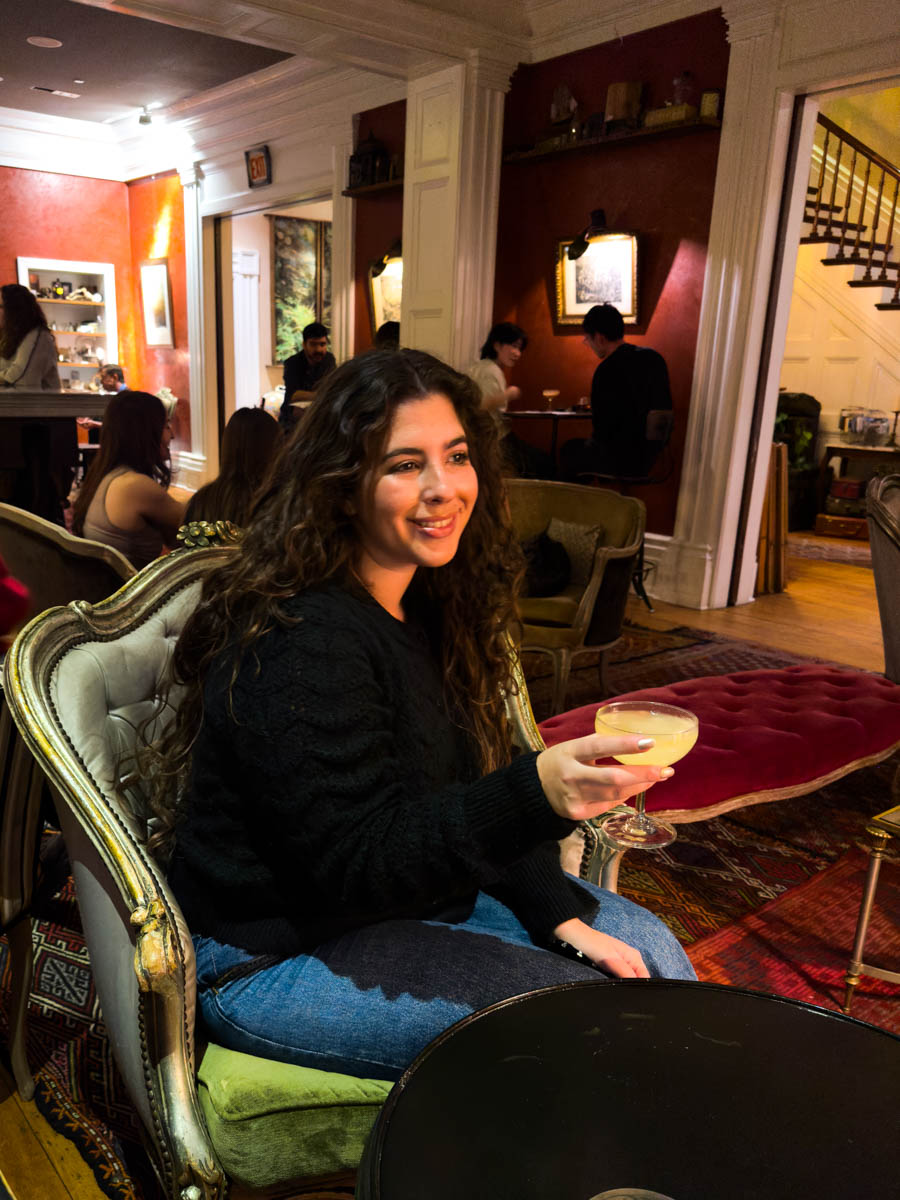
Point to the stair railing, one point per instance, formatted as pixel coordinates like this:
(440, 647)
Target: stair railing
(848, 212)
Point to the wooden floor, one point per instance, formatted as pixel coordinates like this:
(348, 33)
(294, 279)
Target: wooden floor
(829, 611)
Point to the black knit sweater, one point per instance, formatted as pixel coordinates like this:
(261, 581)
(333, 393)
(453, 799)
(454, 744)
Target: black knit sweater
(334, 791)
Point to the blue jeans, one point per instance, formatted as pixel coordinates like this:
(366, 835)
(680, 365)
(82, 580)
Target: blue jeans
(367, 1002)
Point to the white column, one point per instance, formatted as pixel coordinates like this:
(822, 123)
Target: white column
(343, 252)
(695, 566)
(192, 464)
(245, 289)
(454, 125)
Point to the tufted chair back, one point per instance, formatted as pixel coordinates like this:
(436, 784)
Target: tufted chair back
(883, 508)
(80, 681)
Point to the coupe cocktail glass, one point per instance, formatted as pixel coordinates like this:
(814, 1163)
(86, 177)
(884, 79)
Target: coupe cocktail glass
(550, 395)
(674, 731)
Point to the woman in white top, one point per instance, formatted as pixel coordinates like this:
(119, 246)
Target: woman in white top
(124, 501)
(28, 353)
(500, 353)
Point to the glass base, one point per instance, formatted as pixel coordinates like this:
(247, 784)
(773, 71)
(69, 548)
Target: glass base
(626, 832)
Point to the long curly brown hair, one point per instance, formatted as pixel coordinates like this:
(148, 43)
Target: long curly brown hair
(301, 534)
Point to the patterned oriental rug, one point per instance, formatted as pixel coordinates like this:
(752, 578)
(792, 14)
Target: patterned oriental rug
(765, 899)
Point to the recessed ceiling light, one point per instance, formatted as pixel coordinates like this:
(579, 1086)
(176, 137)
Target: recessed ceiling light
(78, 81)
(44, 43)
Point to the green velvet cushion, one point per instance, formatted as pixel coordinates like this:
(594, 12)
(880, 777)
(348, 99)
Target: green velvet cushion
(551, 610)
(272, 1122)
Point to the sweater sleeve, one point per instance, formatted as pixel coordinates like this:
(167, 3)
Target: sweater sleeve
(541, 894)
(321, 740)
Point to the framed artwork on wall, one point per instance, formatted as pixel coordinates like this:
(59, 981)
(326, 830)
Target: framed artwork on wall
(385, 290)
(301, 280)
(156, 298)
(605, 274)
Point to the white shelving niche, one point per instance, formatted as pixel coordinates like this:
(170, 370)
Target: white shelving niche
(86, 331)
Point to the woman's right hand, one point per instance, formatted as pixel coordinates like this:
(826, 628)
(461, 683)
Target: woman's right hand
(578, 789)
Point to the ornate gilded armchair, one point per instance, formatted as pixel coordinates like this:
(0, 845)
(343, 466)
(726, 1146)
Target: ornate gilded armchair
(80, 681)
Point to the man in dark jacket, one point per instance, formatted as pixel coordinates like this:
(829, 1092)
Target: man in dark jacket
(630, 382)
(304, 371)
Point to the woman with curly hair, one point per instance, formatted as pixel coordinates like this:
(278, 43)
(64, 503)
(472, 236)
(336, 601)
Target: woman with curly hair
(360, 857)
(28, 353)
(248, 446)
(124, 501)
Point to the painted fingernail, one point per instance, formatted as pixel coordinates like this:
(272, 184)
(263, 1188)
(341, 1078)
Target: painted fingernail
(666, 773)
(646, 743)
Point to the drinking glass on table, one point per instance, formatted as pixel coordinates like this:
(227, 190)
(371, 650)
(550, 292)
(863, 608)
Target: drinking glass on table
(674, 731)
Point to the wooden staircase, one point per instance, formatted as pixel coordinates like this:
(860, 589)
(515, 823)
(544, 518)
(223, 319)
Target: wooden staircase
(851, 209)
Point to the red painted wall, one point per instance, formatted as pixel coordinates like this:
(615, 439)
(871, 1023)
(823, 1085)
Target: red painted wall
(156, 225)
(379, 216)
(660, 188)
(63, 216)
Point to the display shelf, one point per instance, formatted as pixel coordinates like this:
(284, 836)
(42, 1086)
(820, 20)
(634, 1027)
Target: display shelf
(367, 189)
(80, 303)
(76, 333)
(94, 366)
(615, 139)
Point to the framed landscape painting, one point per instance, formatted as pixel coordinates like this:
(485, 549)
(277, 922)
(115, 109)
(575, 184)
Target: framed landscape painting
(156, 299)
(605, 274)
(301, 280)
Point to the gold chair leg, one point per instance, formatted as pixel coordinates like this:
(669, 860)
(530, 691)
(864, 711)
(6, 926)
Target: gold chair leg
(876, 854)
(600, 863)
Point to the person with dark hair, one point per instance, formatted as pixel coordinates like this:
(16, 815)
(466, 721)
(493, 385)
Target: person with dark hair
(358, 854)
(28, 354)
(124, 500)
(387, 336)
(304, 371)
(248, 447)
(112, 378)
(500, 352)
(630, 382)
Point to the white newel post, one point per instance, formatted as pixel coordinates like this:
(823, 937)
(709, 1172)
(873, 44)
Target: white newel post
(694, 568)
(343, 252)
(192, 464)
(454, 128)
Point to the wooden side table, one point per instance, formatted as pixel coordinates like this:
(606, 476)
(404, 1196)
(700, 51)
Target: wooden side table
(881, 829)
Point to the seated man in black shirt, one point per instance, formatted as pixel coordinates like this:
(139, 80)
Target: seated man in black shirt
(630, 382)
(304, 371)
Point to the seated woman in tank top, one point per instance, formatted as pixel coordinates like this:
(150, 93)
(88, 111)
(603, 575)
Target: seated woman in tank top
(124, 500)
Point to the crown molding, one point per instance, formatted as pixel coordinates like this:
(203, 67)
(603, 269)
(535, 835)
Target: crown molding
(563, 26)
(61, 145)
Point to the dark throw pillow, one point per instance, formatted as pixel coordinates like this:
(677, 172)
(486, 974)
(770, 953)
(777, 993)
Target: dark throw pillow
(547, 570)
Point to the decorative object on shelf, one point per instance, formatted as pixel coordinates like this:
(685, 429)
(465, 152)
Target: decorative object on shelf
(386, 286)
(669, 114)
(208, 533)
(259, 166)
(563, 106)
(710, 105)
(684, 90)
(596, 225)
(369, 163)
(156, 296)
(623, 106)
(301, 280)
(605, 273)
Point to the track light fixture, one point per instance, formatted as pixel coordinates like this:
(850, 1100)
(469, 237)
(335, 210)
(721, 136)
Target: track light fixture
(145, 118)
(596, 225)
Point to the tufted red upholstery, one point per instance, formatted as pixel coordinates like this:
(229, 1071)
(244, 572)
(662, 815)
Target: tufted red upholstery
(764, 735)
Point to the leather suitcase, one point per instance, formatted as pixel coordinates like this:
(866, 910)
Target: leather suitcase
(845, 527)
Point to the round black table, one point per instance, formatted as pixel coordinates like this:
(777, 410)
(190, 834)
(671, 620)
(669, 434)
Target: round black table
(690, 1091)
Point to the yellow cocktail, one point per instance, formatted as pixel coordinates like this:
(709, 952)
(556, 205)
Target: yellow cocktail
(674, 731)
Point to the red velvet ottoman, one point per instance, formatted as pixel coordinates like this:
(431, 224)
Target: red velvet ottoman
(764, 735)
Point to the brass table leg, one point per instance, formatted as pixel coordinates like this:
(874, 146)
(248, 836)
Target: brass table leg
(876, 854)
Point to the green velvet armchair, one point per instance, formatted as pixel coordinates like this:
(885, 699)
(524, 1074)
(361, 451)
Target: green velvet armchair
(602, 533)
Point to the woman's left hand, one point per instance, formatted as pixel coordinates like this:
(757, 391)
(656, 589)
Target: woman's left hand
(615, 957)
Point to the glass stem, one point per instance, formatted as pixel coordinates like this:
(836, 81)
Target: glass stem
(640, 822)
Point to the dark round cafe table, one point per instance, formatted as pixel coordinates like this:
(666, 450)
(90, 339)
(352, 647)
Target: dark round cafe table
(643, 1089)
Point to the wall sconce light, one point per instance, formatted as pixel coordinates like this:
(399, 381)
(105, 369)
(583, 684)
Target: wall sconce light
(596, 225)
(378, 266)
(145, 118)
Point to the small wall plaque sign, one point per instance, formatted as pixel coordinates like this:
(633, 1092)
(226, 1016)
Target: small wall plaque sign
(259, 166)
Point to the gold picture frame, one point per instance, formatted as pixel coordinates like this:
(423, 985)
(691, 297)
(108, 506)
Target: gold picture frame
(156, 300)
(605, 274)
(385, 292)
